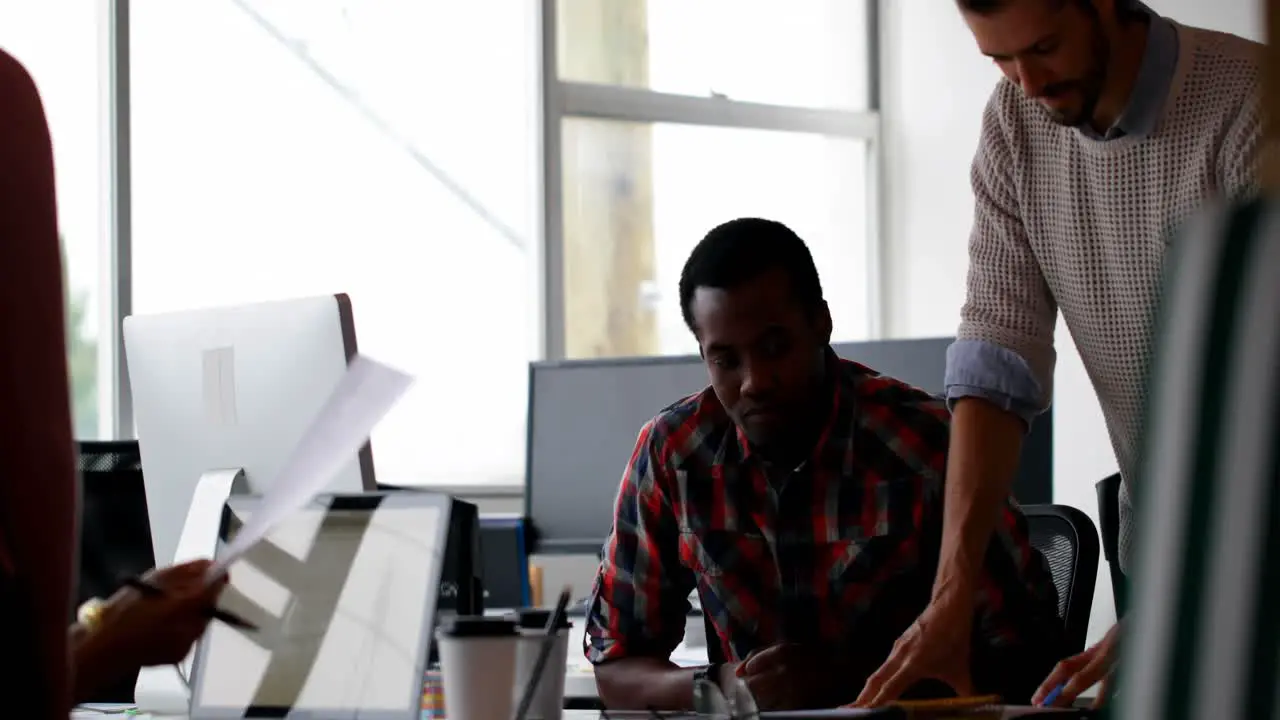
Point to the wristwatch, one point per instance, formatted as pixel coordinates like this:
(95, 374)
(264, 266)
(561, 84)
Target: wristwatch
(706, 686)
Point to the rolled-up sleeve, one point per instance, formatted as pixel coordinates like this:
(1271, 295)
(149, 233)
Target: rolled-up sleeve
(641, 592)
(1004, 348)
(976, 368)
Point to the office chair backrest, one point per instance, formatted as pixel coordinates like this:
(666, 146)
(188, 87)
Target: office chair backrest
(1069, 541)
(115, 534)
(1108, 490)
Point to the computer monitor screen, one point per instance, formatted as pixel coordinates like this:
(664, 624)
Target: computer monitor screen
(232, 387)
(343, 595)
(584, 417)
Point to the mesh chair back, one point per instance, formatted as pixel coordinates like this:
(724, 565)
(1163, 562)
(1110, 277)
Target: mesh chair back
(115, 532)
(1068, 540)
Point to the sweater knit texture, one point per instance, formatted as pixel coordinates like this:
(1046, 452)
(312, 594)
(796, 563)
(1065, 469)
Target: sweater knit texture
(1065, 222)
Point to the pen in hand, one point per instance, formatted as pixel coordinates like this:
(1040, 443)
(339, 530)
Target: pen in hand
(1052, 697)
(150, 590)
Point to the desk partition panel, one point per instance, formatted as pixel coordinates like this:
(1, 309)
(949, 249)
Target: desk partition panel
(584, 416)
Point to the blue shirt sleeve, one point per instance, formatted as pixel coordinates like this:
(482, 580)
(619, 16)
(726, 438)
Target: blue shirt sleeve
(976, 368)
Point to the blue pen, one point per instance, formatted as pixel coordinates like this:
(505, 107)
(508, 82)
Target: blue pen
(1052, 696)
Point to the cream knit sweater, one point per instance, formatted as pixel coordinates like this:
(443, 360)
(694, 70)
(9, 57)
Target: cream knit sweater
(1064, 222)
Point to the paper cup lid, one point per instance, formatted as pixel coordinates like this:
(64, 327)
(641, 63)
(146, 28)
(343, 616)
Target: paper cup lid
(537, 619)
(476, 626)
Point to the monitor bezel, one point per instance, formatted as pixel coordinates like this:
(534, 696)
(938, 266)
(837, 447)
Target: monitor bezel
(369, 501)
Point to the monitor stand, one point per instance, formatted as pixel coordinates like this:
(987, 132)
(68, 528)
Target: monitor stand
(166, 690)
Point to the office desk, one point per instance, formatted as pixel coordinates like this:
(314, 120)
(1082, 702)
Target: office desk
(105, 712)
(579, 682)
(1007, 713)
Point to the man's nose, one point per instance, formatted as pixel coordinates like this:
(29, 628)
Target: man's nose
(756, 381)
(1032, 79)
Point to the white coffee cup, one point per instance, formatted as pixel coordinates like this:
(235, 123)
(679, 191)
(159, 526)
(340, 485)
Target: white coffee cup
(477, 666)
(548, 697)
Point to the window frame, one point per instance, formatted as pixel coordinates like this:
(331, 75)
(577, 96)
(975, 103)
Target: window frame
(560, 99)
(117, 252)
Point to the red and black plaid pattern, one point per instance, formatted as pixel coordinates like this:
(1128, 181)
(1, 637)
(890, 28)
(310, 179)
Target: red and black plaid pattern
(840, 551)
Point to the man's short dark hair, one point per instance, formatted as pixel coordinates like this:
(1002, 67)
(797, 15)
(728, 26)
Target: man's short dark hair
(1125, 8)
(982, 7)
(986, 7)
(742, 250)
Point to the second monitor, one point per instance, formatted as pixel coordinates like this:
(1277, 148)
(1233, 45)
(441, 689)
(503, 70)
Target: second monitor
(233, 388)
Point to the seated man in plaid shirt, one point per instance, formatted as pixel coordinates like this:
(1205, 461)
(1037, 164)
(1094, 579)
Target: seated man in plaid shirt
(801, 496)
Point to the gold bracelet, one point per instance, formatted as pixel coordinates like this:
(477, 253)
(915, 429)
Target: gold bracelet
(89, 615)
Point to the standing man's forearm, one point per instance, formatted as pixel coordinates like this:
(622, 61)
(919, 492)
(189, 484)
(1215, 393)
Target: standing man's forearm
(994, 396)
(986, 443)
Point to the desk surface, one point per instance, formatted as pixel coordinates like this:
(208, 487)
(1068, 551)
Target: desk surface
(104, 712)
(580, 684)
(1007, 713)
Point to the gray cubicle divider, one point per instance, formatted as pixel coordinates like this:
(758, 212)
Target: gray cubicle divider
(584, 416)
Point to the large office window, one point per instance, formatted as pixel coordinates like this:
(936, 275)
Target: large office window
(664, 118)
(382, 149)
(61, 43)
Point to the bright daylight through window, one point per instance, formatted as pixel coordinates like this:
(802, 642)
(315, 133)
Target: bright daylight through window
(675, 116)
(58, 41)
(383, 149)
(490, 181)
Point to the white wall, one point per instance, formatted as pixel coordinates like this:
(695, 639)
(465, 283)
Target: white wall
(935, 85)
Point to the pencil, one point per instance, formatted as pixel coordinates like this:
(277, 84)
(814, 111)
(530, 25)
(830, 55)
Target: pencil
(150, 590)
(959, 703)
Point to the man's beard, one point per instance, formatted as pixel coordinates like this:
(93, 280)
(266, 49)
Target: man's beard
(1089, 87)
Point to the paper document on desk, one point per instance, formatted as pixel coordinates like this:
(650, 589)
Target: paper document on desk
(362, 398)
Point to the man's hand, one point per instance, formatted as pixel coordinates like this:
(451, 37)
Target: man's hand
(935, 647)
(792, 677)
(1081, 672)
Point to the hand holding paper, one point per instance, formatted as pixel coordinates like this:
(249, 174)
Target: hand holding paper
(362, 398)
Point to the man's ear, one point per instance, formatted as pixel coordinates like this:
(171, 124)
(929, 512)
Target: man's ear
(823, 323)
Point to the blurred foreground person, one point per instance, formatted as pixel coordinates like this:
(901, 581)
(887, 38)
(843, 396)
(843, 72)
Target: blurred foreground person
(46, 667)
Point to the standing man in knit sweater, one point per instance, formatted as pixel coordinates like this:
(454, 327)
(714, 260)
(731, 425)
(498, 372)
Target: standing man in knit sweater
(1111, 127)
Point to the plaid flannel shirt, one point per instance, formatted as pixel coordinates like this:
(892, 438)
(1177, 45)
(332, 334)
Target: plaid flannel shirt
(842, 551)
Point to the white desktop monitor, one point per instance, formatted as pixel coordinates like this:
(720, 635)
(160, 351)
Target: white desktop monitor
(232, 388)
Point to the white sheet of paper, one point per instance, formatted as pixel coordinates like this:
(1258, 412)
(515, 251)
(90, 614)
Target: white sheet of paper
(362, 398)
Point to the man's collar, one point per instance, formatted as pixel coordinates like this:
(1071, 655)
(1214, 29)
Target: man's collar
(1151, 87)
